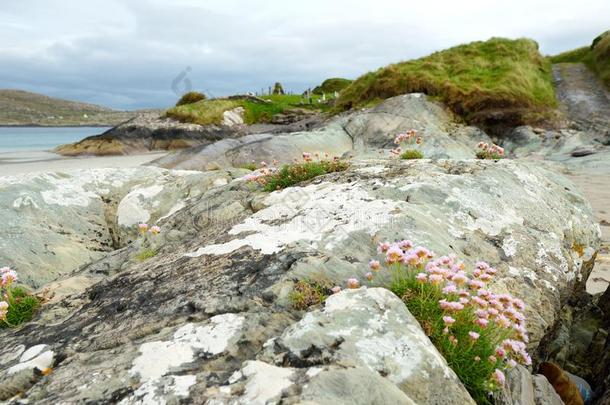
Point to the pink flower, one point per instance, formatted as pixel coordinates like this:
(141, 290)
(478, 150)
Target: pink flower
(394, 255)
(422, 277)
(519, 304)
(492, 359)
(482, 322)
(459, 278)
(477, 358)
(500, 352)
(499, 377)
(476, 284)
(481, 313)
(485, 277)
(155, 230)
(435, 279)
(473, 335)
(307, 156)
(450, 289)
(383, 247)
(369, 276)
(335, 289)
(8, 277)
(353, 283)
(374, 265)
(143, 227)
(405, 244)
(453, 340)
(448, 320)
(480, 302)
(511, 363)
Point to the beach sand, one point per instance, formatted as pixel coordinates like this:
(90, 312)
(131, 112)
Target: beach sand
(12, 163)
(596, 188)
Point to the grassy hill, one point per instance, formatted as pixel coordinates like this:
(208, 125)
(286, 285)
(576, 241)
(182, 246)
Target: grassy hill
(596, 57)
(495, 82)
(24, 108)
(329, 86)
(255, 111)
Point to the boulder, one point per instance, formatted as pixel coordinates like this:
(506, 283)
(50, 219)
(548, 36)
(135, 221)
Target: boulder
(209, 317)
(56, 222)
(364, 133)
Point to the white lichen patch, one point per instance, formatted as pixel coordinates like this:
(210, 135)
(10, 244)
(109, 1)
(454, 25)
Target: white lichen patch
(132, 208)
(36, 357)
(509, 246)
(372, 170)
(320, 212)
(265, 382)
(158, 358)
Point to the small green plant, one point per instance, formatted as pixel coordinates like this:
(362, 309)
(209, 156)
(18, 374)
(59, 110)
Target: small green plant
(146, 253)
(17, 305)
(190, 98)
(479, 333)
(306, 293)
(411, 154)
(486, 151)
(249, 166)
(148, 243)
(272, 178)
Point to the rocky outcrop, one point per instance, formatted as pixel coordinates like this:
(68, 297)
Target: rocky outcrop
(363, 133)
(209, 318)
(56, 222)
(150, 132)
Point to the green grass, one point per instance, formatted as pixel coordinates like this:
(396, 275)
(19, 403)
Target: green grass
(249, 166)
(596, 57)
(22, 308)
(146, 254)
(329, 86)
(209, 112)
(476, 81)
(411, 154)
(307, 293)
(292, 174)
(190, 98)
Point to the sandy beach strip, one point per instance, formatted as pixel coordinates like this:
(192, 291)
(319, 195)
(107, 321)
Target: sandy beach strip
(14, 163)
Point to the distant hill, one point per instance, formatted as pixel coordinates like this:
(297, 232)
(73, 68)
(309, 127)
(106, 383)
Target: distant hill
(19, 107)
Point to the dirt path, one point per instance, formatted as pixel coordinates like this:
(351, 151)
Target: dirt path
(587, 104)
(583, 98)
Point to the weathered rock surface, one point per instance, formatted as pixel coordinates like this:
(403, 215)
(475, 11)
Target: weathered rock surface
(363, 133)
(208, 318)
(523, 388)
(54, 223)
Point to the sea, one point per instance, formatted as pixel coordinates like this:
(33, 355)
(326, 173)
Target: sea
(26, 139)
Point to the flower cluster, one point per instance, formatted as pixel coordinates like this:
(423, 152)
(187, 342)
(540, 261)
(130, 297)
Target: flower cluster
(410, 138)
(7, 278)
(148, 245)
(486, 151)
(143, 228)
(466, 321)
(273, 177)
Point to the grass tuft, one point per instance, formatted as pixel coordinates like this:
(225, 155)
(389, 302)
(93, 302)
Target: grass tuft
(22, 307)
(292, 174)
(146, 254)
(307, 293)
(411, 154)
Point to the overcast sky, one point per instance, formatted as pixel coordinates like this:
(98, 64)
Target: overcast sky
(127, 53)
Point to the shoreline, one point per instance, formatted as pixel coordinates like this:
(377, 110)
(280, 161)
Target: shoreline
(14, 163)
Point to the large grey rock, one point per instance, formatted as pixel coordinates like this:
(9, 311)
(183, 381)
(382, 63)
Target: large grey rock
(523, 388)
(56, 222)
(361, 133)
(372, 328)
(544, 393)
(190, 324)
